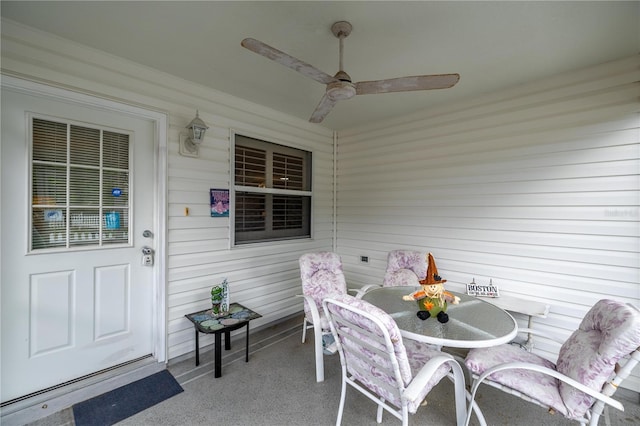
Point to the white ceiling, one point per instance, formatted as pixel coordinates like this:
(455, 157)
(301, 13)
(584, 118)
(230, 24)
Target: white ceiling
(492, 45)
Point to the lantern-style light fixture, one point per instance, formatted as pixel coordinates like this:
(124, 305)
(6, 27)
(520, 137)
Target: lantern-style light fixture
(189, 143)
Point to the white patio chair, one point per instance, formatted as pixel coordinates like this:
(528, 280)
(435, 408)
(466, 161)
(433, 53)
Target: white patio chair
(404, 268)
(395, 374)
(580, 384)
(322, 276)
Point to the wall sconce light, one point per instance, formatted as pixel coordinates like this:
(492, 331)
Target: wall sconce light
(189, 144)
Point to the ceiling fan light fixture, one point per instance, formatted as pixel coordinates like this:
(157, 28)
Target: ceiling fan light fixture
(341, 90)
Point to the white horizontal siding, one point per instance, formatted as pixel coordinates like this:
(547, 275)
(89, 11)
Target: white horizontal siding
(263, 277)
(536, 188)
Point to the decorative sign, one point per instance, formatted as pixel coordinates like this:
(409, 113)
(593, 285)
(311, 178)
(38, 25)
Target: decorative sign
(219, 202)
(116, 192)
(490, 290)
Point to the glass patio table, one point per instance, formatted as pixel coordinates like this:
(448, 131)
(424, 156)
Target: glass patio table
(473, 323)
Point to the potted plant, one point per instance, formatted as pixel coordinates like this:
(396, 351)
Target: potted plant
(220, 299)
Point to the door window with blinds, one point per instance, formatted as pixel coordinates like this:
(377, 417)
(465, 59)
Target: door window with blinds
(272, 191)
(80, 184)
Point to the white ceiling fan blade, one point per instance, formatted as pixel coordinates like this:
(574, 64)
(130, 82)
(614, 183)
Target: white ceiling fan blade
(323, 108)
(287, 60)
(406, 84)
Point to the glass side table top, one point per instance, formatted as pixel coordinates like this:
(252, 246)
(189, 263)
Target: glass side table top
(207, 322)
(473, 323)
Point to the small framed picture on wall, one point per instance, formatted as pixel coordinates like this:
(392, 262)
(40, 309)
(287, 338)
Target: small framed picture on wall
(219, 202)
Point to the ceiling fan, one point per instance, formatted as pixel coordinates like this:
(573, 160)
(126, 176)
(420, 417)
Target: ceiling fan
(340, 87)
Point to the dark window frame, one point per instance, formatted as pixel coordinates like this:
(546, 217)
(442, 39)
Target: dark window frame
(272, 191)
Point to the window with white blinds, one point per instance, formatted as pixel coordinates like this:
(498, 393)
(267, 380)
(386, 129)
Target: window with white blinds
(272, 191)
(79, 186)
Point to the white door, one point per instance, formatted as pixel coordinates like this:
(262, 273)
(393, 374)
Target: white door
(76, 298)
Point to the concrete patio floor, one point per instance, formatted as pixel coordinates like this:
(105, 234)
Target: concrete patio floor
(277, 387)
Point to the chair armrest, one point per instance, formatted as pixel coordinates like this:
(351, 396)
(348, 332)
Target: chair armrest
(544, 370)
(362, 290)
(421, 379)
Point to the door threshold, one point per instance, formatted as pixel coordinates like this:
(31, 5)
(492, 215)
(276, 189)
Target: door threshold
(45, 403)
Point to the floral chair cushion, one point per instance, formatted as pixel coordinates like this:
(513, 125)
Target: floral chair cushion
(405, 267)
(411, 356)
(608, 332)
(537, 385)
(322, 276)
(401, 277)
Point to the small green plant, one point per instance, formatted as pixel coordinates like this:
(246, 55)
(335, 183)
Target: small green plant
(218, 291)
(219, 298)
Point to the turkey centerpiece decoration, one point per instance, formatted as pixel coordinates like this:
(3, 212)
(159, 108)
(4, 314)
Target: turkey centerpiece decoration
(432, 298)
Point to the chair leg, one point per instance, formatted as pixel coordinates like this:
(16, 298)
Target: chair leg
(379, 413)
(304, 330)
(405, 415)
(476, 409)
(459, 393)
(342, 397)
(317, 335)
(596, 411)
(473, 406)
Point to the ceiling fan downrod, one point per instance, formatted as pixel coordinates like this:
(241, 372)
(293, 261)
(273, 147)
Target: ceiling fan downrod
(341, 30)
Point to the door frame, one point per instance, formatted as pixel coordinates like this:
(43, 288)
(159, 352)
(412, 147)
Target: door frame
(159, 318)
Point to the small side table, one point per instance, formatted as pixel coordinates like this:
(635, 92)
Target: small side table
(529, 308)
(205, 322)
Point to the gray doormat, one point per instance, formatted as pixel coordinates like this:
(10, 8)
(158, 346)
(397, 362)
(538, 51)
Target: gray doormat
(118, 404)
